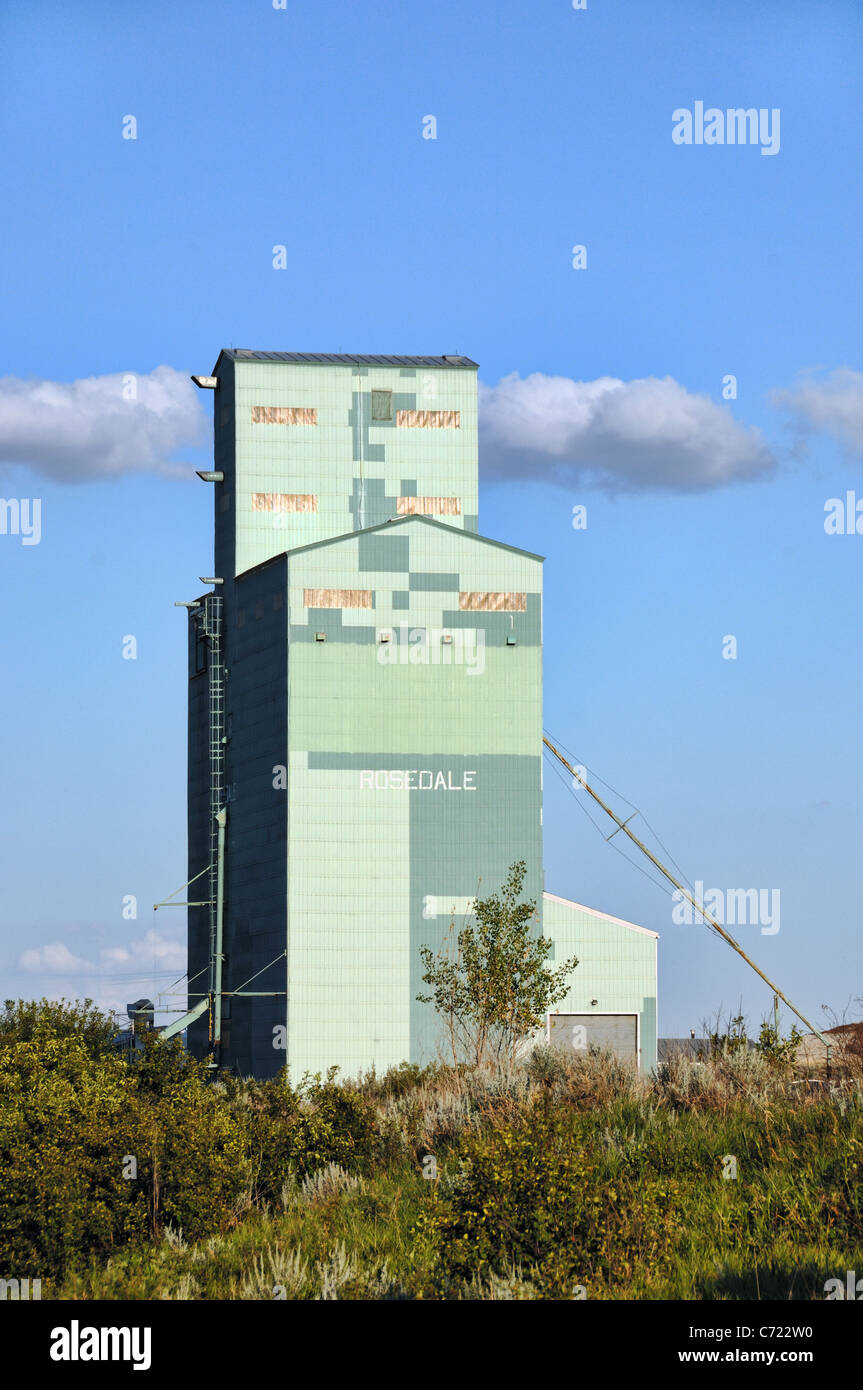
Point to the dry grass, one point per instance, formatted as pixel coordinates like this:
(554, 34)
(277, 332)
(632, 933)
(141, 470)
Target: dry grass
(791, 1219)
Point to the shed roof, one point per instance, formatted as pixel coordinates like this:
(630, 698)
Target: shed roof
(606, 916)
(340, 359)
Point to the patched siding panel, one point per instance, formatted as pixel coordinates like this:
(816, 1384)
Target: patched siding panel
(428, 506)
(284, 415)
(478, 602)
(284, 502)
(337, 598)
(428, 419)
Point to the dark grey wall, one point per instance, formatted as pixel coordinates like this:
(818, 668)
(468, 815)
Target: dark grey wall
(256, 886)
(197, 821)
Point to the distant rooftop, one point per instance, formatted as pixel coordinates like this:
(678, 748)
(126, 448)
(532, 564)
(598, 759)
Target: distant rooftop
(682, 1047)
(343, 359)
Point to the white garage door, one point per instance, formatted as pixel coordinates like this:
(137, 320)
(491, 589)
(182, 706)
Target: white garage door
(578, 1033)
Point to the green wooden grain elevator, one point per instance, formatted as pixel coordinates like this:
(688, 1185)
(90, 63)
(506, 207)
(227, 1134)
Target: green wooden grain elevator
(365, 720)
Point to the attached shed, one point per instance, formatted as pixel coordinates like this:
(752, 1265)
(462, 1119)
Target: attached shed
(611, 1001)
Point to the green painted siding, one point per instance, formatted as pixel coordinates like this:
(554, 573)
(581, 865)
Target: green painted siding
(411, 735)
(366, 858)
(616, 966)
(352, 464)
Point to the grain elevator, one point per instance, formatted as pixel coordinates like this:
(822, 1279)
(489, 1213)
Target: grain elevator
(365, 720)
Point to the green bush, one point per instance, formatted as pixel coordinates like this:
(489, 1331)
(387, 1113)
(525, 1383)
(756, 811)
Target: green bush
(93, 1156)
(197, 1166)
(401, 1080)
(530, 1194)
(163, 1068)
(23, 1021)
(336, 1124)
(67, 1121)
(557, 1174)
(296, 1130)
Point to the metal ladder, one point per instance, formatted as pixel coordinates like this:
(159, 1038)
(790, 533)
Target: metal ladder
(212, 629)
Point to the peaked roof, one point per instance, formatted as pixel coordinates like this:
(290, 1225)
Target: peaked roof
(396, 521)
(340, 359)
(606, 916)
(425, 521)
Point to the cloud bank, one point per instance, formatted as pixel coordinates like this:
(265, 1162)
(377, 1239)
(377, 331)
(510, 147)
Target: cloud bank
(55, 958)
(831, 405)
(101, 426)
(648, 434)
(167, 953)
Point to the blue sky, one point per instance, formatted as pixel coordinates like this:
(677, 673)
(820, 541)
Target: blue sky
(303, 128)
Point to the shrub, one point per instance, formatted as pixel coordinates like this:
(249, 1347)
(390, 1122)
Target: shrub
(494, 991)
(299, 1130)
(24, 1021)
(91, 1160)
(165, 1068)
(336, 1124)
(400, 1080)
(67, 1121)
(530, 1195)
(197, 1165)
(328, 1182)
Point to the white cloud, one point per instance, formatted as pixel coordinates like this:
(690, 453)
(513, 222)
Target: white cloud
(53, 959)
(643, 434)
(122, 973)
(101, 426)
(832, 405)
(56, 958)
(116, 955)
(167, 953)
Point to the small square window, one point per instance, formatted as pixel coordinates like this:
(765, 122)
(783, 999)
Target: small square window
(382, 405)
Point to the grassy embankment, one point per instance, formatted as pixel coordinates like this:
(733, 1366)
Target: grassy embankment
(562, 1179)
